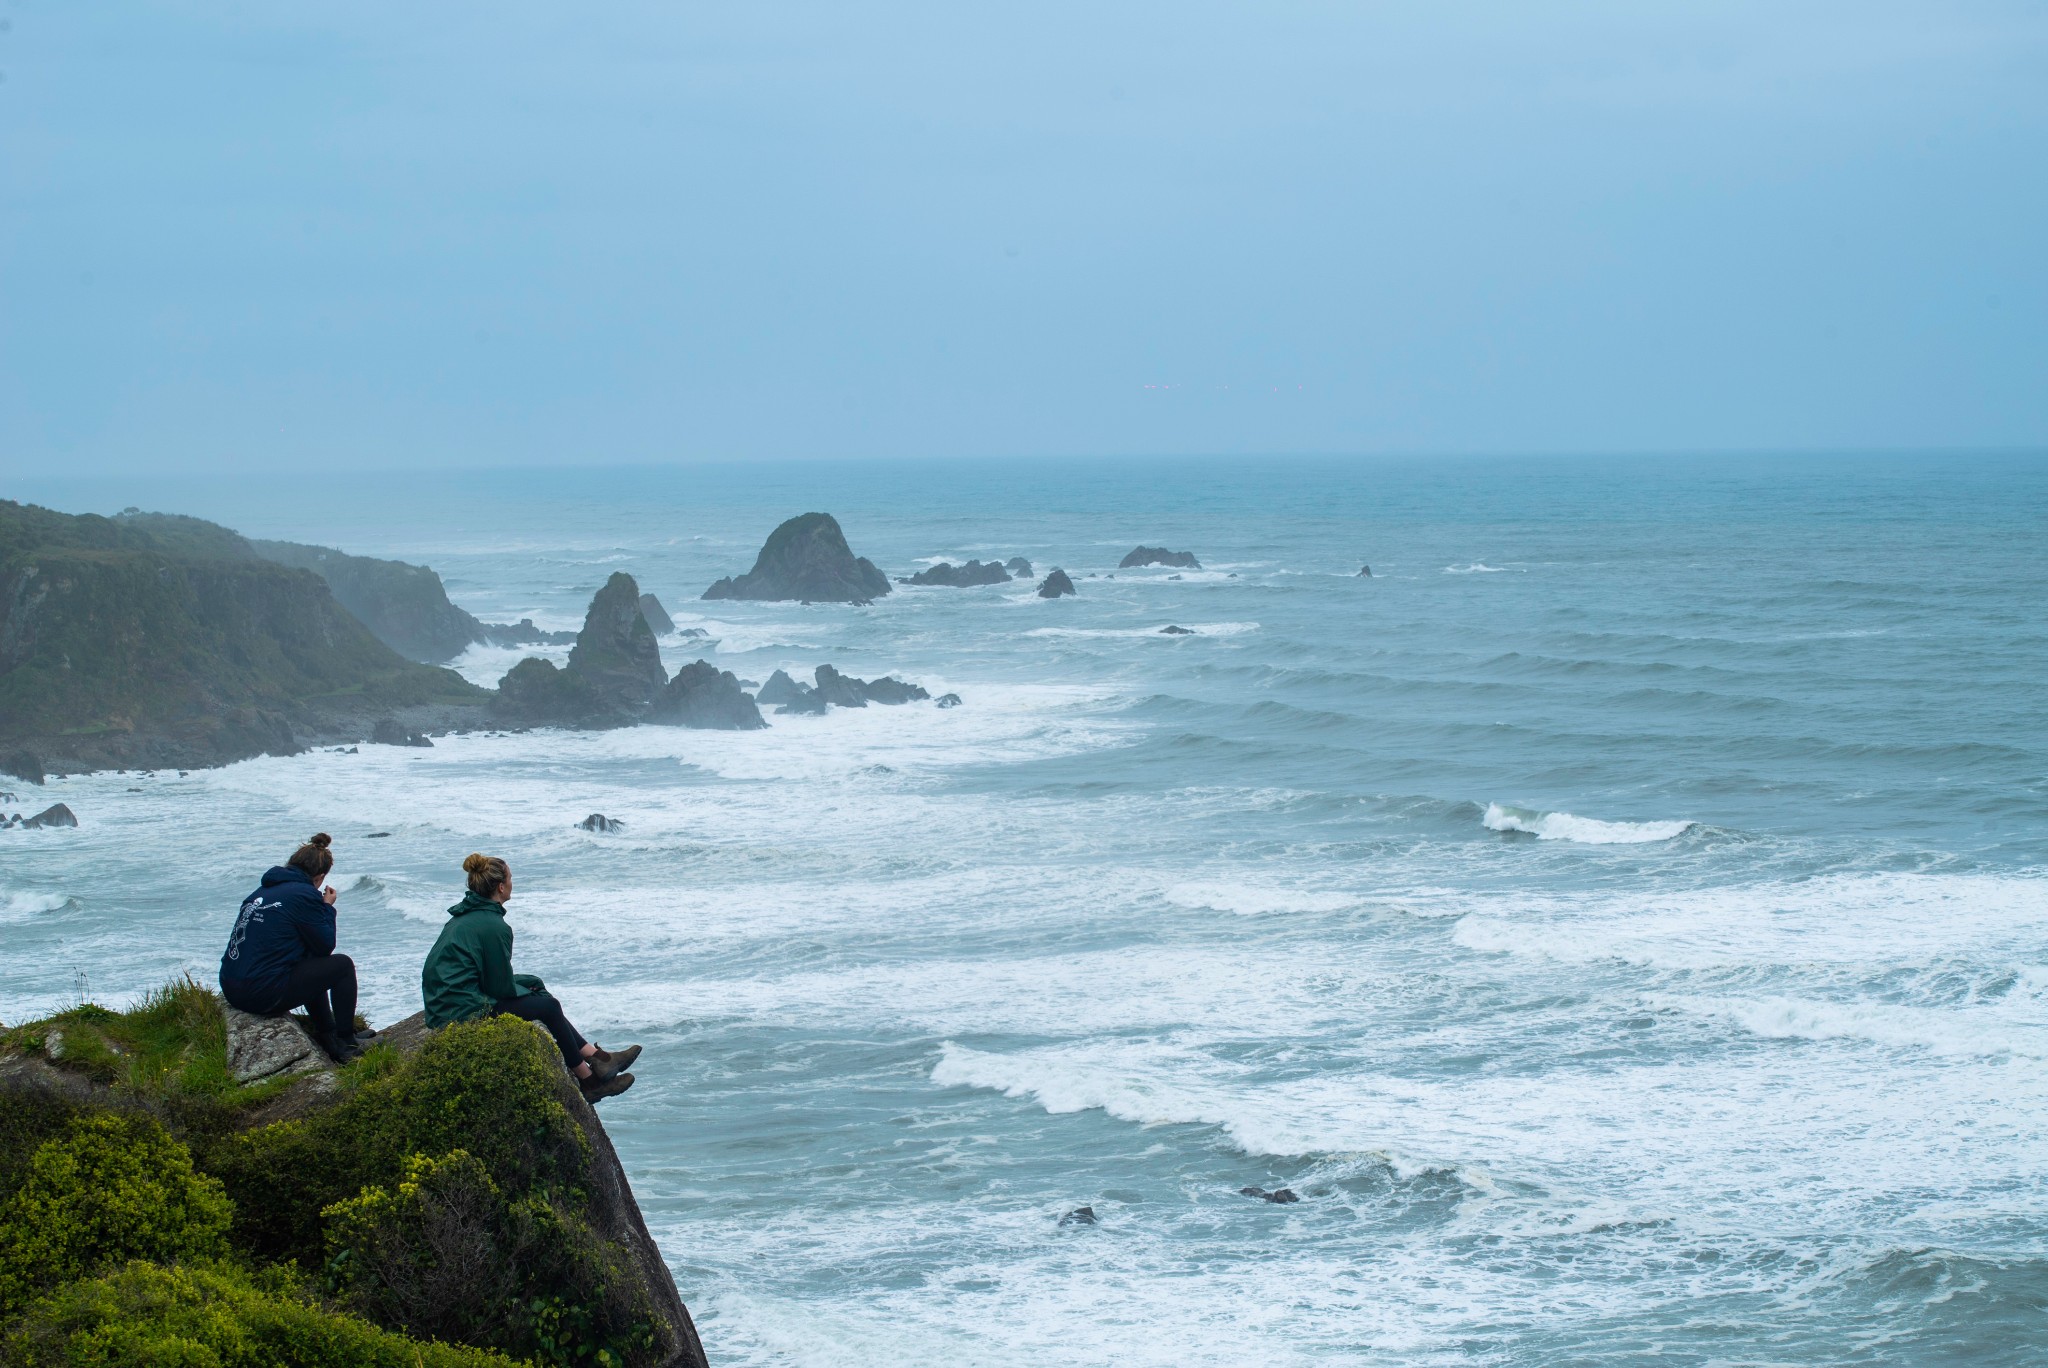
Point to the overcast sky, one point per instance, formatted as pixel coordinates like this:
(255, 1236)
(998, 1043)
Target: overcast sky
(378, 234)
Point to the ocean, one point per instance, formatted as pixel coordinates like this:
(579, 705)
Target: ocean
(1622, 919)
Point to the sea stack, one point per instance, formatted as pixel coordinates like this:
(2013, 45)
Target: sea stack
(1159, 555)
(613, 675)
(658, 620)
(1056, 585)
(806, 558)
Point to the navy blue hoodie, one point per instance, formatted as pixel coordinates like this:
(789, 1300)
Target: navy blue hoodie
(280, 924)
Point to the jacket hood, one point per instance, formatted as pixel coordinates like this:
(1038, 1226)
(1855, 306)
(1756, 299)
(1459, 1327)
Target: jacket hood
(278, 874)
(474, 902)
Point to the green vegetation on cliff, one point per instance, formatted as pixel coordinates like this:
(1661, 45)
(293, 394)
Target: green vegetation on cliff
(435, 1206)
(406, 606)
(150, 639)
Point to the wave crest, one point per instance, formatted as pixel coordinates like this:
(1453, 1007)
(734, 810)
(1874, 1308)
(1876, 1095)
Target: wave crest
(1564, 826)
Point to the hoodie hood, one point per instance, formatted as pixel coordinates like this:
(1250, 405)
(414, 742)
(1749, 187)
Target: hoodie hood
(476, 902)
(278, 874)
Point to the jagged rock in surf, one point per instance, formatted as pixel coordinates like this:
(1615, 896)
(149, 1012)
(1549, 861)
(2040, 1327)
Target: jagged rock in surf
(890, 691)
(1079, 1216)
(1364, 572)
(389, 732)
(693, 632)
(23, 765)
(1018, 567)
(810, 701)
(780, 689)
(704, 696)
(841, 691)
(965, 576)
(1173, 629)
(951, 700)
(56, 815)
(658, 620)
(1159, 555)
(1056, 585)
(597, 821)
(806, 559)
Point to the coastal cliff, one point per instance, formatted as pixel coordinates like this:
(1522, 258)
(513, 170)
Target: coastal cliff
(180, 1181)
(153, 640)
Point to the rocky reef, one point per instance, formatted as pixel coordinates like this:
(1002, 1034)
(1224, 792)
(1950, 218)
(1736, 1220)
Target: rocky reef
(831, 689)
(156, 641)
(1159, 555)
(960, 576)
(179, 1184)
(806, 559)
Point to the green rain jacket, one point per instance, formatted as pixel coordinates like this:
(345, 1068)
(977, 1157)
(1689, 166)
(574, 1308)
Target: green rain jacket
(469, 970)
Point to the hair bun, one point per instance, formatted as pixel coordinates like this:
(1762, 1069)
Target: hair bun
(321, 839)
(474, 863)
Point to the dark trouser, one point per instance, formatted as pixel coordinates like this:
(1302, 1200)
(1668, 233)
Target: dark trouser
(544, 1009)
(325, 985)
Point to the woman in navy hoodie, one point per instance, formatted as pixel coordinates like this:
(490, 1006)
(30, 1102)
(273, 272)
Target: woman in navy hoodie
(281, 954)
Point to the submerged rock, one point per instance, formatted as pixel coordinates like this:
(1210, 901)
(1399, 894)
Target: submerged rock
(1172, 629)
(1159, 555)
(56, 815)
(961, 576)
(807, 559)
(951, 700)
(388, 732)
(597, 821)
(694, 632)
(1056, 585)
(1279, 1195)
(658, 620)
(1079, 1216)
(704, 696)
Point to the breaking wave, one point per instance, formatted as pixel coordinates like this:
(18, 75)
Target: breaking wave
(1564, 826)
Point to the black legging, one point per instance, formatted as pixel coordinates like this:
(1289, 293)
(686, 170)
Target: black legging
(314, 983)
(544, 1009)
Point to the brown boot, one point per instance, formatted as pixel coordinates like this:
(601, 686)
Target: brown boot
(596, 1090)
(604, 1064)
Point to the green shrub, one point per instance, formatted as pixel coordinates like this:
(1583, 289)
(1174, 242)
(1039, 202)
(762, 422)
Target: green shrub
(487, 1087)
(446, 1254)
(144, 1316)
(111, 1187)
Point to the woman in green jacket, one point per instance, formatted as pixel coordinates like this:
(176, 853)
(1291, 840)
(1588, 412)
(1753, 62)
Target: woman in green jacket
(468, 976)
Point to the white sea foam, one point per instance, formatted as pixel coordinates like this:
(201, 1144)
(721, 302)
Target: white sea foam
(1219, 629)
(1564, 826)
(1480, 568)
(18, 906)
(1256, 900)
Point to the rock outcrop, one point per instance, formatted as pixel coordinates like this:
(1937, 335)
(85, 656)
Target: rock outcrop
(704, 696)
(841, 691)
(807, 559)
(1365, 572)
(266, 1047)
(1159, 555)
(1056, 585)
(156, 642)
(613, 676)
(389, 731)
(965, 576)
(658, 620)
(951, 700)
(809, 701)
(598, 822)
(56, 815)
(1018, 567)
(1174, 629)
(521, 633)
